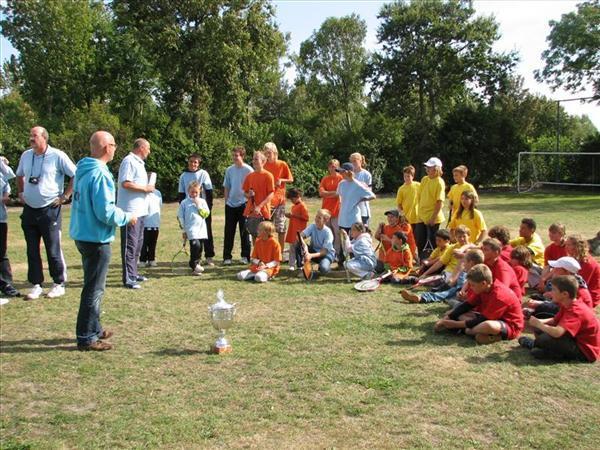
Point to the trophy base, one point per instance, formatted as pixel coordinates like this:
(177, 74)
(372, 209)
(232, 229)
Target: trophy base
(220, 350)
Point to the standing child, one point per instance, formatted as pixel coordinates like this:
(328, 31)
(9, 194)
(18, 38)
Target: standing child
(364, 261)
(331, 200)
(151, 229)
(363, 175)
(298, 216)
(407, 199)
(191, 215)
(459, 174)
(467, 214)
(266, 256)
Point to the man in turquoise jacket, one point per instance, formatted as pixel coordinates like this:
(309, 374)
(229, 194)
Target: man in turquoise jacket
(94, 217)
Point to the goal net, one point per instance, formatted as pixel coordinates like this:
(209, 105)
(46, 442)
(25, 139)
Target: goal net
(536, 169)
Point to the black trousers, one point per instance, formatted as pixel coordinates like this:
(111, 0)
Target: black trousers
(424, 233)
(148, 252)
(43, 224)
(234, 217)
(562, 348)
(5, 270)
(196, 251)
(209, 244)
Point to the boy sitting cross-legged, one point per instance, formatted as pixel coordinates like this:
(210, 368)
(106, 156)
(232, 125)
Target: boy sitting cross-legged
(493, 313)
(573, 334)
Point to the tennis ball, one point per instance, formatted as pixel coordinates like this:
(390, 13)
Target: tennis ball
(204, 213)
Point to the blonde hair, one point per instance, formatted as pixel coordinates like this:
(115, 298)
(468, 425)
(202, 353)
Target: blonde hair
(358, 156)
(266, 225)
(261, 154)
(557, 227)
(333, 161)
(462, 169)
(360, 227)
(325, 213)
(581, 249)
(270, 147)
(480, 273)
(462, 230)
(194, 185)
(438, 170)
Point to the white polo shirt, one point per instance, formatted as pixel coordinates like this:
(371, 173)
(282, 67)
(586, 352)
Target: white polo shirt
(132, 169)
(49, 169)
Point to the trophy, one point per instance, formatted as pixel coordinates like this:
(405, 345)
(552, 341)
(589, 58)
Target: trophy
(221, 316)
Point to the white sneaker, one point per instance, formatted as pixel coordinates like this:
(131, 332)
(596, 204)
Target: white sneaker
(227, 262)
(152, 263)
(147, 264)
(292, 268)
(35, 292)
(198, 269)
(209, 262)
(244, 261)
(58, 290)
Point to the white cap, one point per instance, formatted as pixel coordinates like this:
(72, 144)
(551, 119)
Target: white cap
(434, 162)
(566, 262)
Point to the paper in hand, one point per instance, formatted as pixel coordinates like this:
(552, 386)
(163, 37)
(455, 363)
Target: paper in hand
(152, 178)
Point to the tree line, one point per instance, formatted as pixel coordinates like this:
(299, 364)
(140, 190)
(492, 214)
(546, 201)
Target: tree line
(201, 77)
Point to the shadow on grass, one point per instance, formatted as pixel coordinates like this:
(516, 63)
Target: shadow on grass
(37, 346)
(180, 352)
(516, 356)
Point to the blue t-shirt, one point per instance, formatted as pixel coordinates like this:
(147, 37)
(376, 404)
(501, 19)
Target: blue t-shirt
(4, 190)
(234, 180)
(201, 176)
(49, 169)
(132, 169)
(364, 176)
(320, 239)
(351, 192)
(152, 219)
(190, 219)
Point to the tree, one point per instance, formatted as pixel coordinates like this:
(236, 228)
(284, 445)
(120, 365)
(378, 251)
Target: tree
(332, 63)
(433, 53)
(214, 59)
(573, 57)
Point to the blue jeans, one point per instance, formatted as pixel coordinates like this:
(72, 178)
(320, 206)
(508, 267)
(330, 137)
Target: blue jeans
(323, 261)
(432, 297)
(94, 258)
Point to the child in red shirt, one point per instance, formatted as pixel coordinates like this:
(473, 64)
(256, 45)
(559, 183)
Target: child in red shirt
(555, 250)
(298, 216)
(520, 261)
(573, 334)
(266, 256)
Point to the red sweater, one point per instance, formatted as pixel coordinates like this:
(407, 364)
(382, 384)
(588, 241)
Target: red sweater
(503, 271)
(590, 272)
(582, 324)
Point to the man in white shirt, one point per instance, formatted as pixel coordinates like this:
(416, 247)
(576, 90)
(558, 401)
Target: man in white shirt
(40, 182)
(131, 197)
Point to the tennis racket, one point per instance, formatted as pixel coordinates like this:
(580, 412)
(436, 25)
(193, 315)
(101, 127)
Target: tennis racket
(344, 239)
(307, 270)
(179, 262)
(371, 285)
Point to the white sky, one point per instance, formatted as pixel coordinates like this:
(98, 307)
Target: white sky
(523, 25)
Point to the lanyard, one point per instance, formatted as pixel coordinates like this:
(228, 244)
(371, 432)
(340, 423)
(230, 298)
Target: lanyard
(33, 161)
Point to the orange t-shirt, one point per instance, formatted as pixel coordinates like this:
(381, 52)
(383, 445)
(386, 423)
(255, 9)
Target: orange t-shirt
(298, 222)
(389, 231)
(399, 258)
(330, 183)
(262, 184)
(266, 250)
(407, 229)
(279, 169)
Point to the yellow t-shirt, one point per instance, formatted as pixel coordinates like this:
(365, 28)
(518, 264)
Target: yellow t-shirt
(535, 244)
(407, 199)
(448, 259)
(456, 191)
(432, 190)
(437, 252)
(476, 225)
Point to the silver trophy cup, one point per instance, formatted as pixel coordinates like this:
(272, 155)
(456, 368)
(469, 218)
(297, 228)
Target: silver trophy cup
(221, 316)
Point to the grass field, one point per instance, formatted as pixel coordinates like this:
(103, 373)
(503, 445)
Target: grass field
(314, 365)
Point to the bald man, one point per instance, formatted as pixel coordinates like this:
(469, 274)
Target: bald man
(41, 185)
(131, 197)
(94, 216)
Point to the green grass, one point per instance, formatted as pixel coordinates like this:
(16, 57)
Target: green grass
(314, 365)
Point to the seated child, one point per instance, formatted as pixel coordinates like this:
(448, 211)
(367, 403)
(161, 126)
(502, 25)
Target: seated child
(520, 261)
(320, 250)
(501, 270)
(529, 238)
(590, 269)
(472, 257)
(556, 249)
(399, 258)
(493, 313)
(573, 334)
(266, 255)
(151, 228)
(364, 261)
(467, 214)
(451, 256)
(503, 235)
(442, 240)
(543, 307)
(396, 222)
(191, 215)
(298, 216)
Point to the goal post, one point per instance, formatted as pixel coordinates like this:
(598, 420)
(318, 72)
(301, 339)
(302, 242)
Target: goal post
(535, 169)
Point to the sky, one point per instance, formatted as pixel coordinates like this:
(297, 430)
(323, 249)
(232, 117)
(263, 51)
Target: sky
(523, 26)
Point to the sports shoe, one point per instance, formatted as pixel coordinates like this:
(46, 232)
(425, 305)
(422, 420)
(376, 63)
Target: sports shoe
(227, 262)
(244, 261)
(526, 342)
(484, 339)
(10, 291)
(58, 290)
(141, 279)
(209, 262)
(198, 269)
(97, 346)
(152, 264)
(292, 268)
(410, 297)
(132, 286)
(35, 292)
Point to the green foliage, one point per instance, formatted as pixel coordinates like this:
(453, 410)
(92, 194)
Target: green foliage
(16, 119)
(573, 60)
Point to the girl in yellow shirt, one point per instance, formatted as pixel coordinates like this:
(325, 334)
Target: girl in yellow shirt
(468, 215)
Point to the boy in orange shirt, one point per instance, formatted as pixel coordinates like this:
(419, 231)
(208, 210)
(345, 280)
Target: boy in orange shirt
(258, 188)
(281, 175)
(331, 201)
(266, 256)
(399, 257)
(298, 216)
